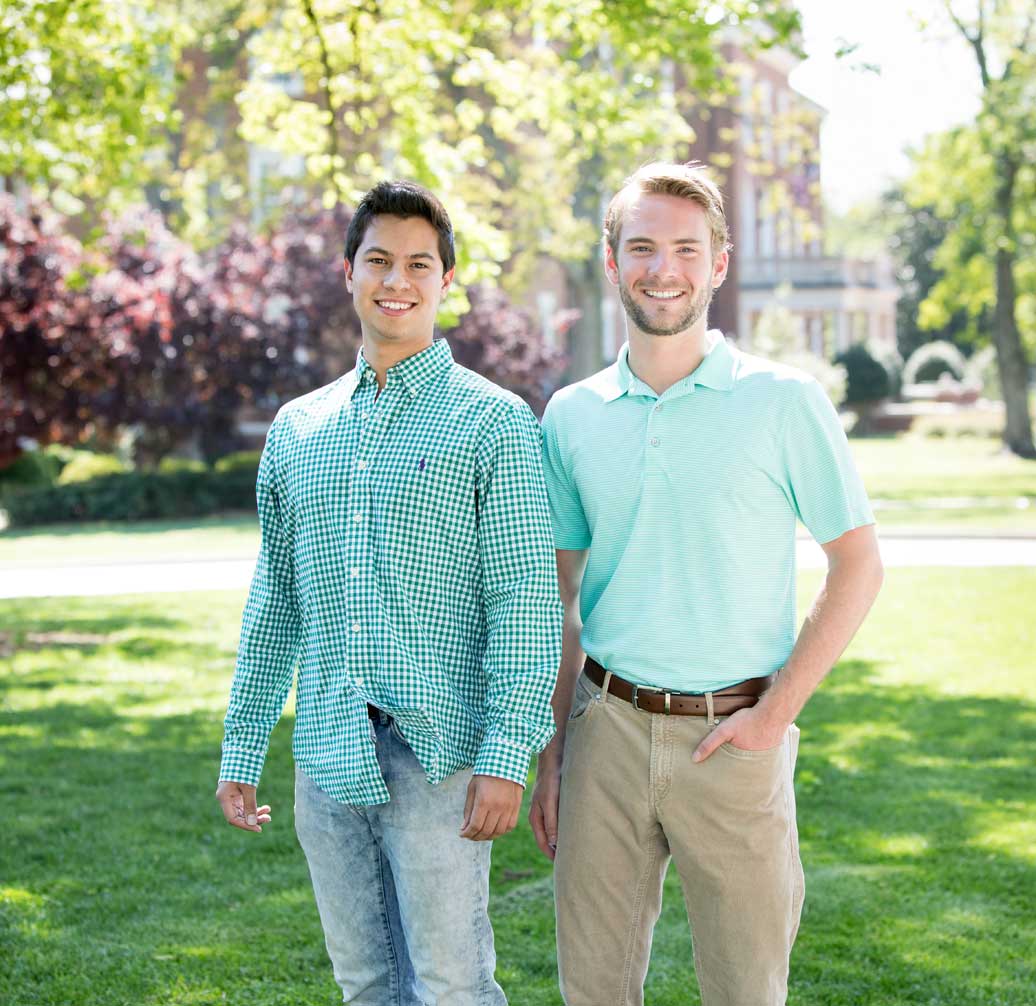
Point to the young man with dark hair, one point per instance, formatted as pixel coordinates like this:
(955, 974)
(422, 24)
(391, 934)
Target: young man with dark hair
(675, 478)
(407, 570)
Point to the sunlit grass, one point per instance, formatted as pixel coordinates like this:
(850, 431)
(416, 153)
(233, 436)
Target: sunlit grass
(119, 884)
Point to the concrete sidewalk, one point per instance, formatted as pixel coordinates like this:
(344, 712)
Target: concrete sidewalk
(149, 577)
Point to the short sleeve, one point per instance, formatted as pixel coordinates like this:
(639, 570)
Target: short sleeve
(567, 517)
(826, 488)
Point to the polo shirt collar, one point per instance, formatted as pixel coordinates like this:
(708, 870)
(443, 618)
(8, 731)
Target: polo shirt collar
(716, 371)
(415, 372)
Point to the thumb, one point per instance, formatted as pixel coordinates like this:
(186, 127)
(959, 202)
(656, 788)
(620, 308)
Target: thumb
(248, 799)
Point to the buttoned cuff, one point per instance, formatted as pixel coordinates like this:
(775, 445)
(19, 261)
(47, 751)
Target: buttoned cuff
(240, 765)
(503, 758)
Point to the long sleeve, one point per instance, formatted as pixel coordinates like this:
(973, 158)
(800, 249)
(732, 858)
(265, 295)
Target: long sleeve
(270, 634)
(522, 607)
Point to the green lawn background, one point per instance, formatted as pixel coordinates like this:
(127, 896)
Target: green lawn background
(910, 478)
(120, 884)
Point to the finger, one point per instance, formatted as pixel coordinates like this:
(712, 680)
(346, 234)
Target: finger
(550, 823)
(709, 744)
(492, 826)
(475, 822)
(539, 829)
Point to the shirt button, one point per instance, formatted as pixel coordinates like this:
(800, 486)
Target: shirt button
(658, 408)
(356, 626)
(355, 571)
(365, 415)
(361, 464)
(357, 518)
(655, 441)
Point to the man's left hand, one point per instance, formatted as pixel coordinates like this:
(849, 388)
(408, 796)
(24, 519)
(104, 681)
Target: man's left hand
(491, 809)
(748, 729)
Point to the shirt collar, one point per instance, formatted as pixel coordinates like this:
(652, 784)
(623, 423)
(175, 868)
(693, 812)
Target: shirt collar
(717, 371)
(415, 372)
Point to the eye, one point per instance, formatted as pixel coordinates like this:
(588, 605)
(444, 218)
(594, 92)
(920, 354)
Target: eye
(376, 260)
(687, 250)
(638, 249)
(420, 265)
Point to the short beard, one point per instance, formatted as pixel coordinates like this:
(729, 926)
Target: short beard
(696, 310)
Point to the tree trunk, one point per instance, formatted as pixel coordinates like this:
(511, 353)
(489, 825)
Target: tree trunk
(1011, 358)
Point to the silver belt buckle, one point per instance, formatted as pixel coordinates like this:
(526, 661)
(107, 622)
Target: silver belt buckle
(661, 691)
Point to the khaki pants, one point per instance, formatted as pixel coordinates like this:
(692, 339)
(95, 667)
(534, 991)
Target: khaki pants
(631, 798)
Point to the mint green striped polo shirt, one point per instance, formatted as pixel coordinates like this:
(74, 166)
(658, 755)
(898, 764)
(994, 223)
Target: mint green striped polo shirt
(687, 502)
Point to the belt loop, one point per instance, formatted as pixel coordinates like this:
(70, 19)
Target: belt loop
(710, 706)
(604, 686)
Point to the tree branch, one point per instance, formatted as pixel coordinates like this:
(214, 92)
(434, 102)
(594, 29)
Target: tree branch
(976, 41)
(333, 152)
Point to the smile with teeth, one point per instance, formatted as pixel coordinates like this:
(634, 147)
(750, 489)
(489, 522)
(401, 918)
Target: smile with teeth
(663, 294)
(394, 305)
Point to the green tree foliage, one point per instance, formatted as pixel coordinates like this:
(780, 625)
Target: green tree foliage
(981, 180)
(915, 236)
(517, 114)
(85, 96)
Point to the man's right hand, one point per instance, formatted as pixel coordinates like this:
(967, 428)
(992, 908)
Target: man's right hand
(543, 812)
(238, 803)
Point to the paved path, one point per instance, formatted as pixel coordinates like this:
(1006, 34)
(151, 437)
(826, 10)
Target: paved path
(97, 578)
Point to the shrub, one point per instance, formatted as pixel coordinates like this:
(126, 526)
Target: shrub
(134, 496)
(34, 468)
(930, 361)
(239, 461)
(170, 465)
(85, 466)
(868, 379)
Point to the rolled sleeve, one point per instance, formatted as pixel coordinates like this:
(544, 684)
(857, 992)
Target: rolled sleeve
(269, 644)
(520, 597)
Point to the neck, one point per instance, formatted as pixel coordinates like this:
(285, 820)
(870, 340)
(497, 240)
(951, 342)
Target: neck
(381, 355)
(662, 360)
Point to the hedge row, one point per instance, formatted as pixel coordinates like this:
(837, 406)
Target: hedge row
(134, 496)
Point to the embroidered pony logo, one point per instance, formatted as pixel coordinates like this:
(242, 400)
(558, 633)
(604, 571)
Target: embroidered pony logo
(421, 465)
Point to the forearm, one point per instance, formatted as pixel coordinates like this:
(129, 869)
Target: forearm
(572, 659)
(846, 595)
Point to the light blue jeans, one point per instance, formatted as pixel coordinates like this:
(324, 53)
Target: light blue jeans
(402, 898)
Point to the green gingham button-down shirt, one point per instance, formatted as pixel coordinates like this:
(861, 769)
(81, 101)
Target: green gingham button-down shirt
(406, 562)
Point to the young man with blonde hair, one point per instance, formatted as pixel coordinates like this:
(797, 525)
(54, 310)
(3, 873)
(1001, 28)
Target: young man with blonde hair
(676, 477)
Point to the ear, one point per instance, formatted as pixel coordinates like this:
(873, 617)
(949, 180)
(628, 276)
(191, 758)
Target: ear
(719, 268)
(611, 269)
(348, 275)
(447, 280)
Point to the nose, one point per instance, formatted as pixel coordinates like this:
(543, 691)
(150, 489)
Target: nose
(664, 263)
(395, 278)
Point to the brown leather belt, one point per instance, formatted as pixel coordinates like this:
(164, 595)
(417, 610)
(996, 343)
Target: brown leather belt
(657, 700)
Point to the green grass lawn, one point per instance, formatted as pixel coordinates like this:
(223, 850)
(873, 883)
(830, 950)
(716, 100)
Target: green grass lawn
(119, 883)
(964, 483)
(907, 477)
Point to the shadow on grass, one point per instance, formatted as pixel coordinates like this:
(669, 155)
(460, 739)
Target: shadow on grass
(122, 884)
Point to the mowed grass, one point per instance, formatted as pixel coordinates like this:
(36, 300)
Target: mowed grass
(968, 484)
(119, 883)
(920, 485)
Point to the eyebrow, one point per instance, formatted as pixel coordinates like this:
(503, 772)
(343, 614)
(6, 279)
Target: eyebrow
(382, 251)
(651, 241)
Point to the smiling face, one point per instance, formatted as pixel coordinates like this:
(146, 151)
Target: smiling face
(665, 268)
(397, 281)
